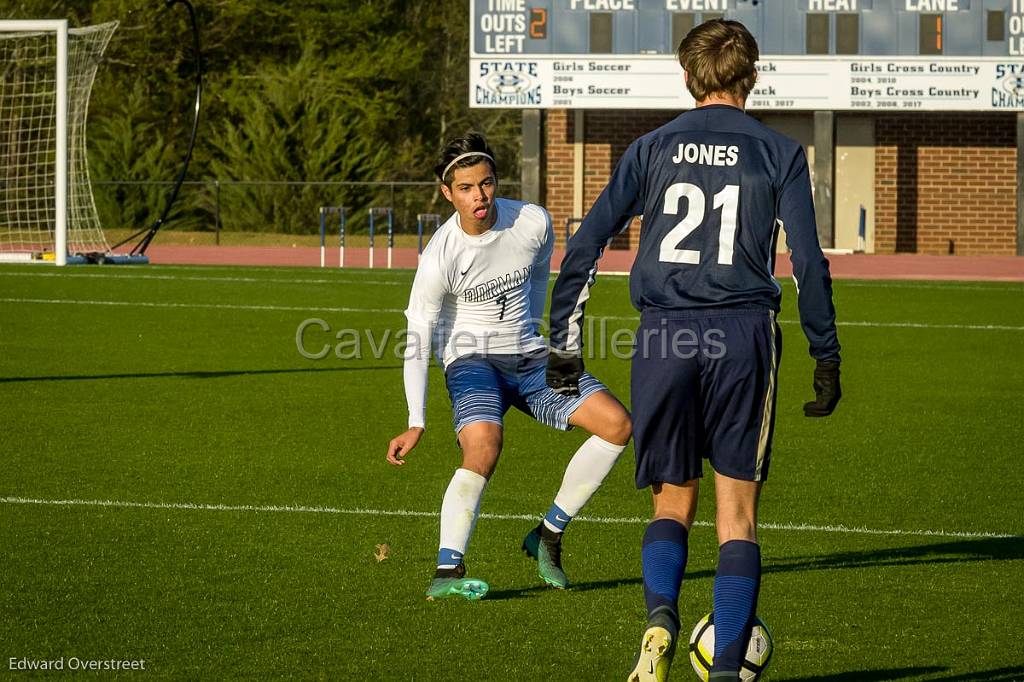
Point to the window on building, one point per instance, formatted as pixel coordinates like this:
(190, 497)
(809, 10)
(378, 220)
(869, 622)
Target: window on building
(847, 34)
(996, 23)
(931, 34)
(601, 32)
(817, 34)
(682, 23)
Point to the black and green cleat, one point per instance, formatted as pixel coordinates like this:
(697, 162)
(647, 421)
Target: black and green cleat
(545, 546)
(452, 582)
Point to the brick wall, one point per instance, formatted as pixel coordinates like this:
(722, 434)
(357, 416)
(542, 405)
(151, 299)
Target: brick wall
(606, 135)
(938, 177)
(946, 181)
(558, 160)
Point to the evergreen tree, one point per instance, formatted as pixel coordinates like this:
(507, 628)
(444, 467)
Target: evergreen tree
(318, 90)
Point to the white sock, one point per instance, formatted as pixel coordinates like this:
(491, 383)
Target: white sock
(458, 516)
(586, 471)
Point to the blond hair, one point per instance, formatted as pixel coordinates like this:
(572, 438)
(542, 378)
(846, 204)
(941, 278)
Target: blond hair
(719, 56)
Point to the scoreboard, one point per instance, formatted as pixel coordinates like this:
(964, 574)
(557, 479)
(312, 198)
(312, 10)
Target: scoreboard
(840, 55)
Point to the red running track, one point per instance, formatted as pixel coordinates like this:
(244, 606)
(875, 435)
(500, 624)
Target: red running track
(858, 266)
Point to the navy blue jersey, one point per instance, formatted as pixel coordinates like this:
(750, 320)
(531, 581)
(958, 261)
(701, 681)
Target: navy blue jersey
(713, 187)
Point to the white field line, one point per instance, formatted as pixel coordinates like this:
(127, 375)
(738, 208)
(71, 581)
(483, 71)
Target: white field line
(979, 285)
(197, 278)
(351, 270)
(949, 285)
(142, 272)
(307, 309)
(887, 325)
(922, 325)
(201, 306)
(952, 286)
(126, 270)
(604, 520)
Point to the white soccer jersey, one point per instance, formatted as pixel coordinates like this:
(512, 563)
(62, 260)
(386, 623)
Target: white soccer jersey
(480, 294)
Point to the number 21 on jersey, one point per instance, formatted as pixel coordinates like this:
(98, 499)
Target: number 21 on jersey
(696, 205)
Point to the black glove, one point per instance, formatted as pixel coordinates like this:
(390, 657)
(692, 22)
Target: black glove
(564, 371)
(826, 389)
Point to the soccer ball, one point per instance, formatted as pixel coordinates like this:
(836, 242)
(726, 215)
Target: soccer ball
(702, 649)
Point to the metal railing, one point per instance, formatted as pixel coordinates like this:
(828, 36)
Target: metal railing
(276, 206)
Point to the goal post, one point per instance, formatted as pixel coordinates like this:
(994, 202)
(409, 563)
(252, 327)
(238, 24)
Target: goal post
(47, 208)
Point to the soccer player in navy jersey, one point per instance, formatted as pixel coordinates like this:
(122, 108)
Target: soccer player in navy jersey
(714, 186)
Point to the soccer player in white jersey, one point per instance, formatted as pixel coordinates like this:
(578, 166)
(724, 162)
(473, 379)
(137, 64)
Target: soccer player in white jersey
(478, 297)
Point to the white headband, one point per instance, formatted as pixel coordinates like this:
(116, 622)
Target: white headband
(460, 157)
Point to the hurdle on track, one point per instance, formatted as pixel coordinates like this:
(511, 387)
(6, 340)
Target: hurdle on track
(862, 230)
(324, 212)
(374, 212)
(422, 221)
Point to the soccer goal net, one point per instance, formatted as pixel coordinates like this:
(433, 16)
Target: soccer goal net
(46, 203)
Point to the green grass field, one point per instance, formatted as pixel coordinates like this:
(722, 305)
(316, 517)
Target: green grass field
(180, 485)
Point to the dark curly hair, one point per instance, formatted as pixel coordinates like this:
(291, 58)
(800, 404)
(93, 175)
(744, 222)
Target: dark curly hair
(471, 142)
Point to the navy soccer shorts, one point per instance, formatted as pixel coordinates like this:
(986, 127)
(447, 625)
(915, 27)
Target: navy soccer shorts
(483, 388)
(703, 387)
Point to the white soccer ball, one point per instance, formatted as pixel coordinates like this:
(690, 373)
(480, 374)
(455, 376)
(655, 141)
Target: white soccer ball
(702, 649)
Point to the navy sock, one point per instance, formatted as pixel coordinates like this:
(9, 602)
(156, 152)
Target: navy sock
(736, 586)
(664, 562)
(556, 519)
(448, 558)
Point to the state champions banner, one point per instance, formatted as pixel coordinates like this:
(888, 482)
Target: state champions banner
(794, 83)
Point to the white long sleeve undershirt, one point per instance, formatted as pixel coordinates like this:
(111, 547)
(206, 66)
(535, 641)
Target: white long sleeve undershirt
(471, 292)
(417, 366)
